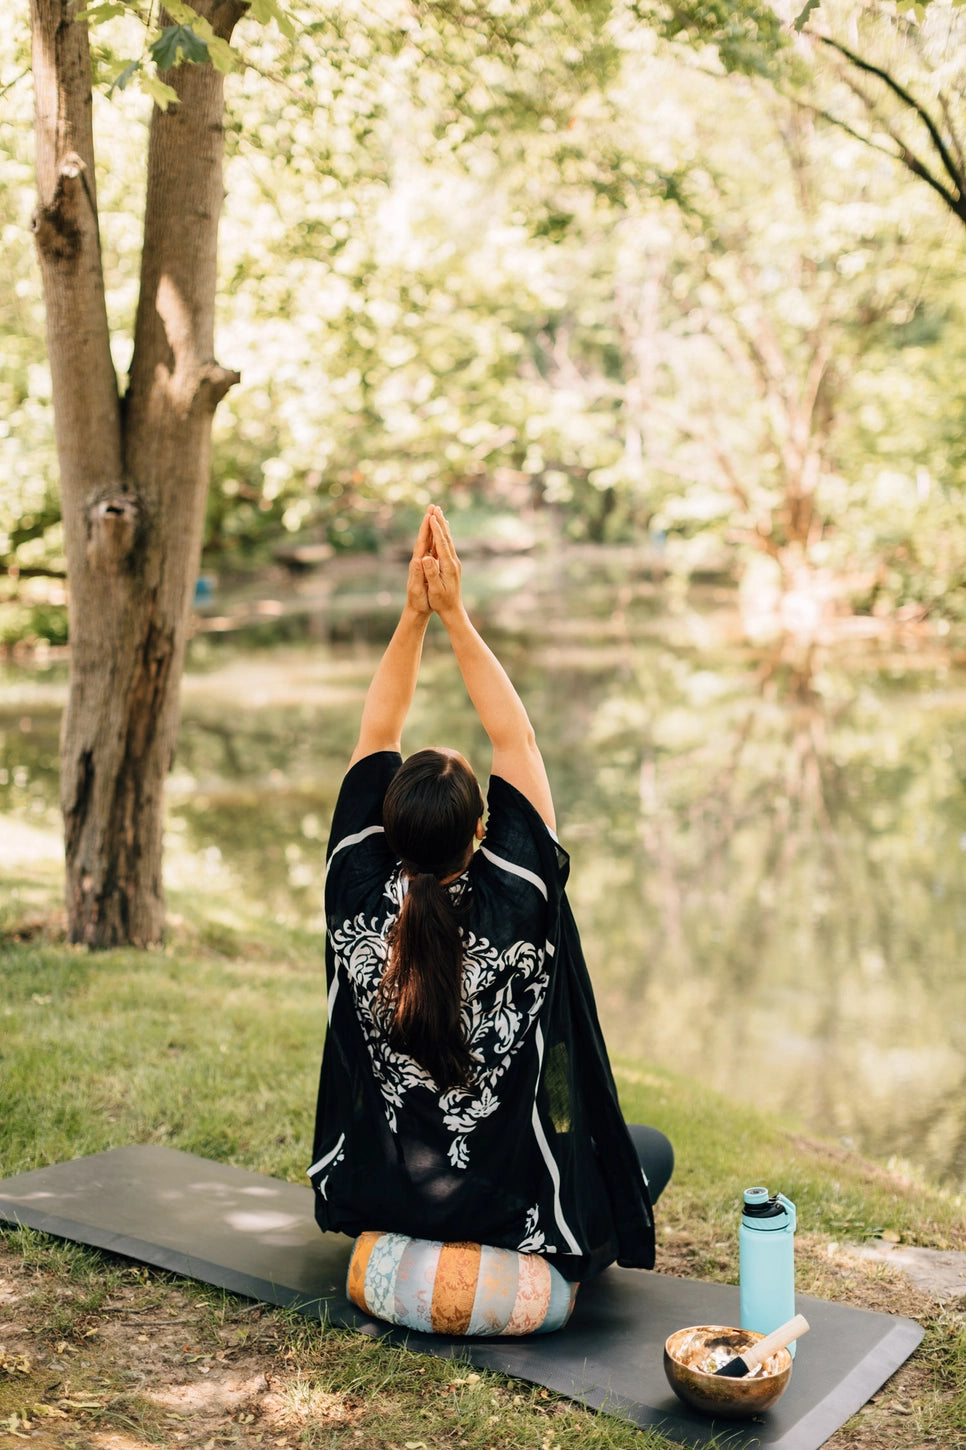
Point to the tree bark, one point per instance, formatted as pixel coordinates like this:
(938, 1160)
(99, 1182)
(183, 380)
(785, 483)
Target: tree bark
(134, 474)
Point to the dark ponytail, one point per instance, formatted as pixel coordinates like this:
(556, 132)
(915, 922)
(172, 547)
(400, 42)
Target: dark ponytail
(430, 813)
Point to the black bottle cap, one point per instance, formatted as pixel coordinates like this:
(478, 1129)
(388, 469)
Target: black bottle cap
(757, 1204)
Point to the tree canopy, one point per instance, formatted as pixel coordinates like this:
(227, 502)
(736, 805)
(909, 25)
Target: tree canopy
(523, 259)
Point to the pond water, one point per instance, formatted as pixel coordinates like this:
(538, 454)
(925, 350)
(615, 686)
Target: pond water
(768, 848)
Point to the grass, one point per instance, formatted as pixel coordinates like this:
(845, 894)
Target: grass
(212, 1045)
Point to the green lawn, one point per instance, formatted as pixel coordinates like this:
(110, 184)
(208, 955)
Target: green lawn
(212, 1045)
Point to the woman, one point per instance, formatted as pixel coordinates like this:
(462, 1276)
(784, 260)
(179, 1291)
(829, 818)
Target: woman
(465, 1089)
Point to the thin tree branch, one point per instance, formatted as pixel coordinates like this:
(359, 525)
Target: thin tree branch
(907, 156)
(947, 117)
(902, 154)
(844, 126)
(15, 82)
(34, 571)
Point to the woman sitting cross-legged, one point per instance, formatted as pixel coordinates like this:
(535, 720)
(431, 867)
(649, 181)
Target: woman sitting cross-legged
(468, 1131)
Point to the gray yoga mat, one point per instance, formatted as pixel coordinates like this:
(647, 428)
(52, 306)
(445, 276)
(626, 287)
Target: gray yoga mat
(256, 1236)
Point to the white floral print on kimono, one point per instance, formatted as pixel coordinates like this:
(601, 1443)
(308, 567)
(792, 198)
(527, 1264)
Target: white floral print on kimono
(503, 993)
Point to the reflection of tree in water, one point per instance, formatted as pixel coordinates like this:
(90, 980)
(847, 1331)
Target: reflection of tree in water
(798, 799)
(191, 751)
(809, 772)
(786, 863)
(257, 786)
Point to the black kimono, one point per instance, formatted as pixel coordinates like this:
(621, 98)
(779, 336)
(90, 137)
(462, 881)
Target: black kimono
(533, 1155)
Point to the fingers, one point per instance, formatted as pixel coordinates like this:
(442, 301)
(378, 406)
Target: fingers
(442, 538)
(424, 539)
(417, 594)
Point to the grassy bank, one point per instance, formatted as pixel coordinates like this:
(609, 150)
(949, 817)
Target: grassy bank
(212, 1045)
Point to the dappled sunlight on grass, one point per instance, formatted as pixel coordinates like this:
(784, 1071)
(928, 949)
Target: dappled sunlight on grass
(210, 1043)
(299, 1399)
(31, 886)
(155, 1360)
(207, 1396)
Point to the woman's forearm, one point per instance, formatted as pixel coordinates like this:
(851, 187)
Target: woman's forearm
(393, 686)
(501, 711)
(516, 756)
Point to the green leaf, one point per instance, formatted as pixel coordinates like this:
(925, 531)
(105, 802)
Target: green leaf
(803, 15)
(161, 94)
(120, 81)
(220, 54)
(204, 44)
(178, 43)
(96, 14)
(266, 10)
(183, 14)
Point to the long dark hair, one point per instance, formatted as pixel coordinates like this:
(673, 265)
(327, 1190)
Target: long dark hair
(429, 813)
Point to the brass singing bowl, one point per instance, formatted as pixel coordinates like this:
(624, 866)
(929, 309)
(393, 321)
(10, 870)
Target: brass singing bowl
(721, 1395)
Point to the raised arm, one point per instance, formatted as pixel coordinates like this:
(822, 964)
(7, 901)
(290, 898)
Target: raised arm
(393, 685)
(516, 756)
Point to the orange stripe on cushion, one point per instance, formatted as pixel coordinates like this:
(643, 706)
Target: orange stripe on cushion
(356, 1284)
(455, 1288)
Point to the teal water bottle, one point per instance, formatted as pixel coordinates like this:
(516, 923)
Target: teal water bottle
(766, 1261)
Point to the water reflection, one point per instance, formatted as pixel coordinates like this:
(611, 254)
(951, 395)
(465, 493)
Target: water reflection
(769, 847)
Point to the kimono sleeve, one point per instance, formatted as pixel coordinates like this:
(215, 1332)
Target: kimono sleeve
(515, 832)
(357, 844)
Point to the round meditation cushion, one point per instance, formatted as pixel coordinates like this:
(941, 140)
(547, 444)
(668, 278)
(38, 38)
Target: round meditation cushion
(457, 1288)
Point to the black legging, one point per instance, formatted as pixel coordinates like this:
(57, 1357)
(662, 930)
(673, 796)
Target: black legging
(656, 1157)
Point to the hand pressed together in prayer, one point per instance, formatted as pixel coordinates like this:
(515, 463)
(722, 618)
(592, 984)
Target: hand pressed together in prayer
(417, 596)
(435, 571)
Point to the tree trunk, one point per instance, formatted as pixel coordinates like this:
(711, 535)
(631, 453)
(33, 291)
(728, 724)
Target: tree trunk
(134, 476)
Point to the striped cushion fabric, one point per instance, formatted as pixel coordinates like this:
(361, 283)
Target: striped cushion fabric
(457, 1288)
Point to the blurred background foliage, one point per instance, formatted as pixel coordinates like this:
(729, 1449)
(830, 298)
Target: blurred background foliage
(624, 272)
